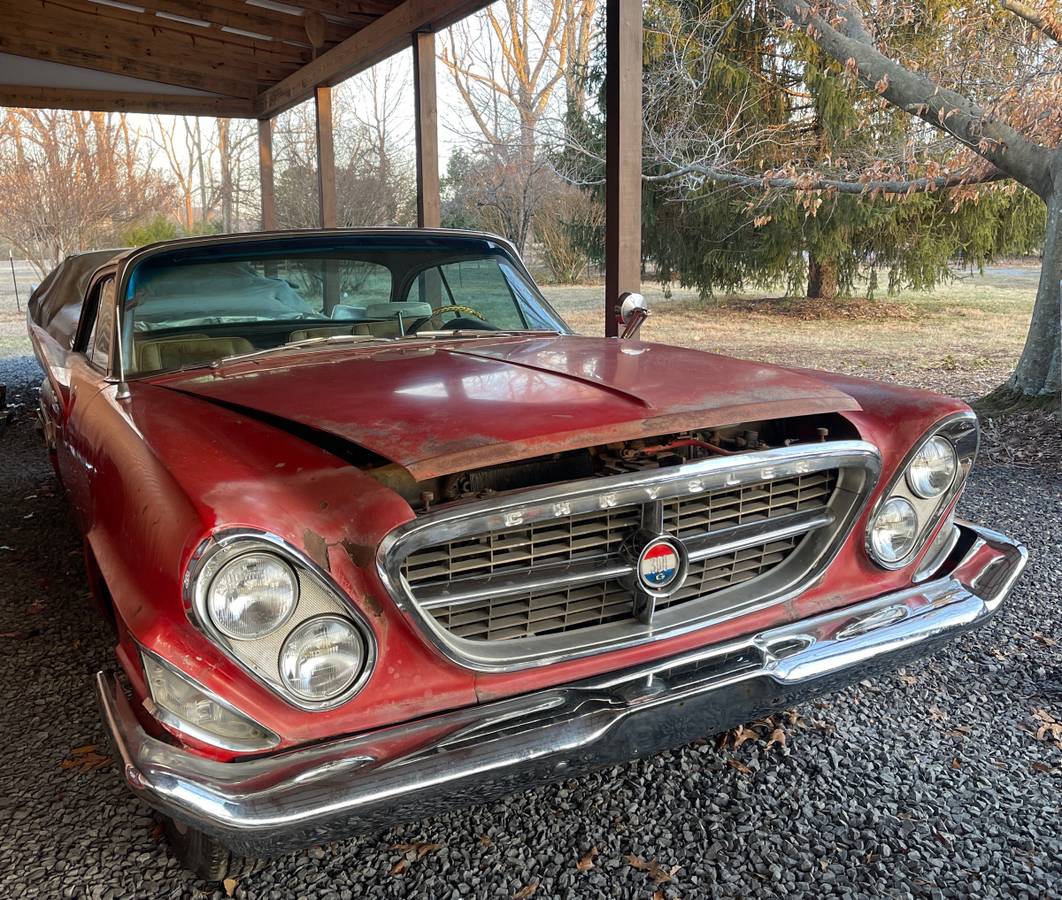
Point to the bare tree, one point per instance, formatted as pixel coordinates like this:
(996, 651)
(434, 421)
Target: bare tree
(72, 181)
(507, 66)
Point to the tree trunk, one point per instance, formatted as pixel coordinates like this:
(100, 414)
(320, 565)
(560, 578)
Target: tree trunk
(1037, 372)
(822, 279)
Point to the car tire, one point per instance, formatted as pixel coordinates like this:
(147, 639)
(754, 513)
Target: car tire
(205, 856)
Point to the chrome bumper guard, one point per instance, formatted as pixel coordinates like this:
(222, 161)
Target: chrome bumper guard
(291, 800)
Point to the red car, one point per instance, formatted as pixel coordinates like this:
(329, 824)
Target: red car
(379, 535)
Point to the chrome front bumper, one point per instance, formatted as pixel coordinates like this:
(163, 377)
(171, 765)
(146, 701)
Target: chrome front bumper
(302, 797)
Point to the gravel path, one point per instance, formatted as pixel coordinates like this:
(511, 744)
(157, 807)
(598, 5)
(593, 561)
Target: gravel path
(923, 783)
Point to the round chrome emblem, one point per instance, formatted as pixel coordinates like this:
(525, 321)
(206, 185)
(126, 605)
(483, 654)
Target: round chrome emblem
(659, 565)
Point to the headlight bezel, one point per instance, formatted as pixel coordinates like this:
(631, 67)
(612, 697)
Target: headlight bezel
(962, 431)
(317, 594)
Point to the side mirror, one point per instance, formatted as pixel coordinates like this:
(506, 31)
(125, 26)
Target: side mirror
(634, 310)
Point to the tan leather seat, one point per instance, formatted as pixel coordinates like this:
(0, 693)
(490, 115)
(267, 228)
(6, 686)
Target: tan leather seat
(304, 334)
(187, 350)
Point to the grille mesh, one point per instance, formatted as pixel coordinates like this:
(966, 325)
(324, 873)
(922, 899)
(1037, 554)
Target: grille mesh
(599, 535)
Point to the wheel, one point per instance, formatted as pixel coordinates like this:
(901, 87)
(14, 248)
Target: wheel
(205, 856)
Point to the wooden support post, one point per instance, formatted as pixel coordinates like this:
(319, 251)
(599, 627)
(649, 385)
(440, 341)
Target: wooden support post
(623, 154)
(265, 174)
(326, 157)
(426, 119)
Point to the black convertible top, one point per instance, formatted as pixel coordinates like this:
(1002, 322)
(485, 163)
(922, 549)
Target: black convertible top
(55, 305)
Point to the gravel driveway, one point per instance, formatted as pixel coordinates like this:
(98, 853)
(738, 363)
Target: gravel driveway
(925, 782)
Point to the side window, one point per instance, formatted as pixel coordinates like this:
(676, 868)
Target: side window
(98, 348)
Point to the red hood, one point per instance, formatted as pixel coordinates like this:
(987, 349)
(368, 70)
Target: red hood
(436, 408)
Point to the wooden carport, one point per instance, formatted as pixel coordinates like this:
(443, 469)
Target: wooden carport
(257, 58)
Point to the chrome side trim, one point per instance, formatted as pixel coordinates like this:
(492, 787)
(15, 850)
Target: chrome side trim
(323, 792)
(858, 464)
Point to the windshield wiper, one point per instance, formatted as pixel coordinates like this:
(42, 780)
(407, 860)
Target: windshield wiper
(296, 345)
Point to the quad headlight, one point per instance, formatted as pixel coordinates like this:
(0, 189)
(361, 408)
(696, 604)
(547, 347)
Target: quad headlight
(922, 491)
(252, 596)
(932, 468)
(322, 658)
(281, 617)
(894, 531)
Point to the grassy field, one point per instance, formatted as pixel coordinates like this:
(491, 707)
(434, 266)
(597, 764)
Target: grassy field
(962, 339)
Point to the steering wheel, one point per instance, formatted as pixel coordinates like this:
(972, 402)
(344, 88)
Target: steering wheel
(457, 308)
(439, 310)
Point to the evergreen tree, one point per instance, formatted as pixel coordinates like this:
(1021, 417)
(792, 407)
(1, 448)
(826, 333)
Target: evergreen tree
(740, 99)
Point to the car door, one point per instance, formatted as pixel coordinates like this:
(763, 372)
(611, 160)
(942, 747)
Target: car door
(87, 371)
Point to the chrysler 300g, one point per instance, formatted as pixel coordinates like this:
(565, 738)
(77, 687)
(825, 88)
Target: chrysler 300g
(378, 534)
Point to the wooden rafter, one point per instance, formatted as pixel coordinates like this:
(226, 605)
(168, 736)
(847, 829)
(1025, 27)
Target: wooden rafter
(375, 42)
(124, 101)
(156, 53)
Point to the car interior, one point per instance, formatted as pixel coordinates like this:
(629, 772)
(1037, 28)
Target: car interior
(194, 313)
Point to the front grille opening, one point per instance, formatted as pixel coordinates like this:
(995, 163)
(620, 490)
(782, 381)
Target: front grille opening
(530, 549)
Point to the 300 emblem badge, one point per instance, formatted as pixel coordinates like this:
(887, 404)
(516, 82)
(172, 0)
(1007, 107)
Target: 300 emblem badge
(660, 565)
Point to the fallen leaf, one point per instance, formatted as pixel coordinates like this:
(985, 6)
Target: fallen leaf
(1042, 768)
(587, 861)
(956, 763)
(742, 734)
(739, 765)
(485, 841)
(526, 891)
(85, 759)
(937, 713)
(400, 867)
(418, 849)
(777, 737)
(1044, 639)
(658, 895)
(230, 886)
(908, 679)
(652, 868)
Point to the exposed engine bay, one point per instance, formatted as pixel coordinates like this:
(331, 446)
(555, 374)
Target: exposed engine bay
(612, 459)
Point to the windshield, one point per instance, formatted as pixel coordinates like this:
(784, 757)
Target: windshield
(195, 305)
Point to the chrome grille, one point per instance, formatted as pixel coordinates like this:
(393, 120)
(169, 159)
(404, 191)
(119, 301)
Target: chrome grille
(501, 583)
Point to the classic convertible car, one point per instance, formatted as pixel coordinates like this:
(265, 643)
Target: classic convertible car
(379, 535)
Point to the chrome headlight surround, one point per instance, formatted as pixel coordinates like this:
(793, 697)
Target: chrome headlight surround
(317, 595)
(962, 432)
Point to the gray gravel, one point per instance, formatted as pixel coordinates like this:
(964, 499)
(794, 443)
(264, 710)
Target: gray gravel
(920, 783)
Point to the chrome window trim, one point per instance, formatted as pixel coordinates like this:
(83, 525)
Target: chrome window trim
(858, 464)
(168, 717)
(964, 433)
(195, 600)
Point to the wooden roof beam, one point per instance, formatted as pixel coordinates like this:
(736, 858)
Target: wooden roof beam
(125, 101)
(375, 42)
